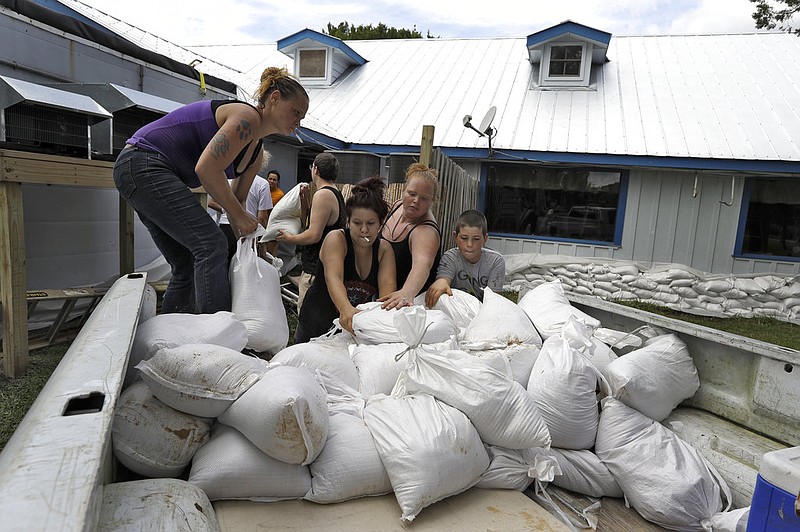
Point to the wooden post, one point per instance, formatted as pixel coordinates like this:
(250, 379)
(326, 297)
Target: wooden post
(126, 253)
(426, 146)
(13, 280)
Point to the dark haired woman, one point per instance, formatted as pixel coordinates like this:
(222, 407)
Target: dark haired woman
(206, 143)
(354, 267)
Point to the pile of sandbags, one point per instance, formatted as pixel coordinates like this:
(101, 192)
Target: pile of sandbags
(671, 285)
(427, 404)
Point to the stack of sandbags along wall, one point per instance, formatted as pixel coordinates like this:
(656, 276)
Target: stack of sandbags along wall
(671, 285)
(426, 405)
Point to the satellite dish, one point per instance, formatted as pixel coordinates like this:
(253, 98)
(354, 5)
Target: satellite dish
(486, 123)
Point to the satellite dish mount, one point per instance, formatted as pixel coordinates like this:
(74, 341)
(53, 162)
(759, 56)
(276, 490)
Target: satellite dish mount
(485, 128)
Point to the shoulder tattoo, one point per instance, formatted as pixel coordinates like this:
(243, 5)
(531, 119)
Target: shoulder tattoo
(244, 130)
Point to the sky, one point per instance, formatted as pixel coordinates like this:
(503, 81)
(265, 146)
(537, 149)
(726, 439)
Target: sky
(206, 22)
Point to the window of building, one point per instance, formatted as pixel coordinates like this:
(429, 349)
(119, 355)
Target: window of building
(313, 64)
(566, 65)
(771, 219)
(565, 60)
(555, 203)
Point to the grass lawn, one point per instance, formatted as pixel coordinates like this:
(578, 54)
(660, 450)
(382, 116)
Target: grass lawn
(17, 395)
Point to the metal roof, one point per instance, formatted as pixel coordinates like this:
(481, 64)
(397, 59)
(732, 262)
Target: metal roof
(730, 96)
(154, 43)
(13, 91)
(684, 96)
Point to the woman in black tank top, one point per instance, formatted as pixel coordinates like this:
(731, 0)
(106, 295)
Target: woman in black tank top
(354, 265)
(414, 234)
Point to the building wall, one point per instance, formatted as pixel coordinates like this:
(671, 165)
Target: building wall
(72, 233)
(668, 219)
(33, 52)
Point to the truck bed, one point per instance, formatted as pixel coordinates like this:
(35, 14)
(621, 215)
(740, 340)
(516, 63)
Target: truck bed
(53, 469)
(473, 509)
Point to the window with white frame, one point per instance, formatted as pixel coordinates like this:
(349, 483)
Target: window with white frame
(312, 63)
(566, 64)
(772, 219)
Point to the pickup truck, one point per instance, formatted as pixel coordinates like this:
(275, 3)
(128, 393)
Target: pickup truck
(587, 222)
(58, 465)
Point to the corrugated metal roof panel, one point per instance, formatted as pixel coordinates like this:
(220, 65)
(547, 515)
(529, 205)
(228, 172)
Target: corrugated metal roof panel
(699, 96)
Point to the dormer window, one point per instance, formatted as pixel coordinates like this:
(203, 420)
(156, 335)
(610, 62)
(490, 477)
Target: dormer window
(312, 64)
(319, 59)
(562, 56)
(565, 61)
(565, 65)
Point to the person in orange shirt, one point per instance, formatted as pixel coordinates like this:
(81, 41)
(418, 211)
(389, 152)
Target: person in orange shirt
(274, 179)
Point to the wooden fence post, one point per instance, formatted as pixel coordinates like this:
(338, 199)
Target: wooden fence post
(426, 146)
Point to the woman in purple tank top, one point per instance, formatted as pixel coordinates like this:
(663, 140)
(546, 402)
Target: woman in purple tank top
(204, 143)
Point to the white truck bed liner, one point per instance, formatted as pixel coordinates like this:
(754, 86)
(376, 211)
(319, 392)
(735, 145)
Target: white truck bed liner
(504, 510)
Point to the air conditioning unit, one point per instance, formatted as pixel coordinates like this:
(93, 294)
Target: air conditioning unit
(45, 119)
(398, 164)
(357, 165)
(130, 108)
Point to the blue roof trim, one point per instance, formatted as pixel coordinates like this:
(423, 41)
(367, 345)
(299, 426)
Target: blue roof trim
(683, 163)
(321, 38)
(331, 143)
(568, 27)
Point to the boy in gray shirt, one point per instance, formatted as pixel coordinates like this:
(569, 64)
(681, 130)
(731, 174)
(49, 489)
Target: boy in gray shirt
(469, 266)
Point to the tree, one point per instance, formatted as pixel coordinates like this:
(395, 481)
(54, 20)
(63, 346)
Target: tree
(769, 15)
(351, 32)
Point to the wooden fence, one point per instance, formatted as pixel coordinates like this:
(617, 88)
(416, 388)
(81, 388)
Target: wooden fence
(458, 191)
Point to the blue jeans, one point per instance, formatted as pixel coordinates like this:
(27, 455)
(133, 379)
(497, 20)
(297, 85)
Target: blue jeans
(190, 241)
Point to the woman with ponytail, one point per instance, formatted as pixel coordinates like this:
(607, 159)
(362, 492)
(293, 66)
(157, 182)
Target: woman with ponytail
(208, 143)
(354, 266)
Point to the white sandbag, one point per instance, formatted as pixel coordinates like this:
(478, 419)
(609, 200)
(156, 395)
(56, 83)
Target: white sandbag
(156, 504)
(429, 449)
(375, 325)
(625, 269)
(509, 470)
(285, 415)
(499, 323)
(581, 472)
(285, 216)
(584, 340)
(731, 521)
(349, 465)
(256, 297)
(500, 409)
(654, 379)
(664, 478)
(151, 438)
(172, 330)
(379, 365)
(200, 379)
(548, 308)
(518, 359)
(461, 307)
(326, 354)
(578, 471)
(230, 467)
(563, 387)
(503, 412)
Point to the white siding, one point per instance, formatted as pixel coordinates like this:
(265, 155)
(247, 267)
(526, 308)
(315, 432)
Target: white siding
(665, 223)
